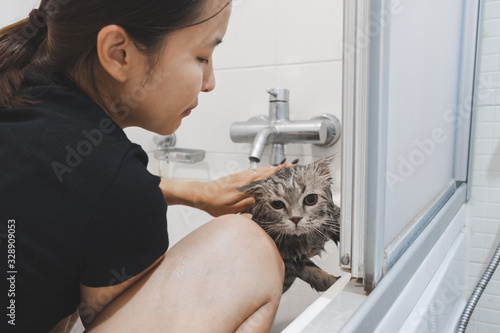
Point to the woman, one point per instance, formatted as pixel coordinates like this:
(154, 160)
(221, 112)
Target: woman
(85, 221)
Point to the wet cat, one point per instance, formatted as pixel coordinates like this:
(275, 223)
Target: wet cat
(295, 207)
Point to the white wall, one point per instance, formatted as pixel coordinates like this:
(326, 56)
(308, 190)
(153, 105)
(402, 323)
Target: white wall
(483, 223)
(270, 43)
(15, 10)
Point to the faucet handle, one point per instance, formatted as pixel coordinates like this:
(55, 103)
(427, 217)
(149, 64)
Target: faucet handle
(272, 92)
(279, 95)
(165, 141)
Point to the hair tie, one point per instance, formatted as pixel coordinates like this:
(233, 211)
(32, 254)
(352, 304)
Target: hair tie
(38, 21)
(37, 18)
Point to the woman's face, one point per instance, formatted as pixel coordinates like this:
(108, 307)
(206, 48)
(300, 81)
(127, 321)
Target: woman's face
(183, 70)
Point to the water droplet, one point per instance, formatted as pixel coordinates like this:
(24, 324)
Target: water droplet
(253, 166)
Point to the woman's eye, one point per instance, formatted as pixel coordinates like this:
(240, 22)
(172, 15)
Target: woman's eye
(311, 199)
(277, 204)
(203, 60)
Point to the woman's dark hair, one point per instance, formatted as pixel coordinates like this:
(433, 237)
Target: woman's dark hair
(61, 37)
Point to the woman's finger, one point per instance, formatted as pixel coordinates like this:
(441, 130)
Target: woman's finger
(243, 205)
(237, 196)
(265, 172)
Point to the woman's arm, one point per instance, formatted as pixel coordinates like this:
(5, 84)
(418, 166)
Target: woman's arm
(218, 197)
(66, 325)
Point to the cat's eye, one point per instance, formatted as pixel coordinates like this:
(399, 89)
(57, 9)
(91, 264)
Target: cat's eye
(311, 199)
(277, 204)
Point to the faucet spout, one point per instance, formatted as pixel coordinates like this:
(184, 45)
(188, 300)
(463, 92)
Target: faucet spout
(278, 130)
(278, 154)
(260, 141)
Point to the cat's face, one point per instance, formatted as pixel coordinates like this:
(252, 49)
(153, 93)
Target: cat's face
(294, 200)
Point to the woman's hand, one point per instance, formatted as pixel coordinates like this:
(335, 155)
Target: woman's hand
(218, 197)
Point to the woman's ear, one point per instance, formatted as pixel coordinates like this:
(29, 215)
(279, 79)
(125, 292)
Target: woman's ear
(117, 52)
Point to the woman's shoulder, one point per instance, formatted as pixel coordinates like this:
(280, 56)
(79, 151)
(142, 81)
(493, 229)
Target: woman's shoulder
(59, 109)
(64, 131)
(65, 104)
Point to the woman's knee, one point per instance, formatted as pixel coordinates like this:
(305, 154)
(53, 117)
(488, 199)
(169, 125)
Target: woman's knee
(234, 249)
(225, 271)
(249, 241)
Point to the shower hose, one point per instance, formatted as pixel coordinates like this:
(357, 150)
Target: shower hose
(476, 294)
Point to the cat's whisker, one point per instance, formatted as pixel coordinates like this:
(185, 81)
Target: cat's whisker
(331, 228)
(281, 236)
(267, 222)
(263, 222)
(319, 233)
(273, 232)
(284, 239)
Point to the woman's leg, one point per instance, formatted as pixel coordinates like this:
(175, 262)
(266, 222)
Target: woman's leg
(226, 276)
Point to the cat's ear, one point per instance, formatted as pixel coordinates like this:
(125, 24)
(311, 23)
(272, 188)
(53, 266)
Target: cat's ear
(252, 188)
(322, 166)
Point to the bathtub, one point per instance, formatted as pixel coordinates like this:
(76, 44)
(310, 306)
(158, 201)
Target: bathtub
(430, 299)
(300, 295)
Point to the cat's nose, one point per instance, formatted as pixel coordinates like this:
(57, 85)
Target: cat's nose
(296, 219)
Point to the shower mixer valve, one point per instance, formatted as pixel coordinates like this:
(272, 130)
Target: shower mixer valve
(277, 129)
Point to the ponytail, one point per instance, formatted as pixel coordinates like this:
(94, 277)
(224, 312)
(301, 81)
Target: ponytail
(19, 45)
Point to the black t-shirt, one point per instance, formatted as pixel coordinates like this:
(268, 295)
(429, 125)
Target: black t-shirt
(77, 206)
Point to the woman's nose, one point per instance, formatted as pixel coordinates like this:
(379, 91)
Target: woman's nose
(208, 80)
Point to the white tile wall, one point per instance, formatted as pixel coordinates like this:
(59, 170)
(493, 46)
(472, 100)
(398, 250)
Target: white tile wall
(483, 225)
(293, 44)
(13, 11)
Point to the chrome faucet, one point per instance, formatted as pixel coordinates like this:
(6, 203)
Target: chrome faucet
(167, 151)
(277, 129)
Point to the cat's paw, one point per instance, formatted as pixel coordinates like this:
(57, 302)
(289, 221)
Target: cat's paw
(325, 283)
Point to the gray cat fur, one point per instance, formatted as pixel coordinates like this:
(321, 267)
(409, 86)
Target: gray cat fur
(319, 223)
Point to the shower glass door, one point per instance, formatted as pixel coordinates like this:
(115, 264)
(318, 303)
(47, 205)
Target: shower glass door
(408, 80)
